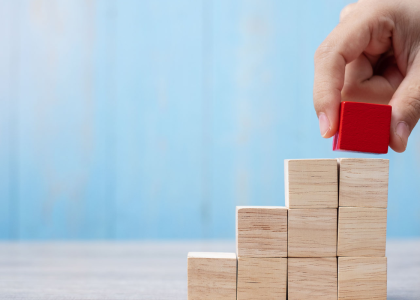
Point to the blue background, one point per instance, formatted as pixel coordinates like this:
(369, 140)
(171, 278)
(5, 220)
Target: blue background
(154, 119)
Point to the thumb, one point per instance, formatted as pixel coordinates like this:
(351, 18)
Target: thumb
(405, 108)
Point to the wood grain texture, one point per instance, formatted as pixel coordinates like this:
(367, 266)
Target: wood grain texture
(311, 183)
(362, 278)
(262, 278)
(361, 231)
(363, 182)
(364, 127)
(312, 278)
(143, 270)
(261, 231)
(312, 233)
(211, 275)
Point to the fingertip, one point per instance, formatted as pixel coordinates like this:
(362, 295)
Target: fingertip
(325, 126)
(396, 146)
(399, 137)
(329, 134)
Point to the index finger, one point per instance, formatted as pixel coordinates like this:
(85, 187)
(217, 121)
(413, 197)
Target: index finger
(344, 44)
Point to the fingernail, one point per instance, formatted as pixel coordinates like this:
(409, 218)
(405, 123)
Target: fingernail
(403, 132)
(324, 124)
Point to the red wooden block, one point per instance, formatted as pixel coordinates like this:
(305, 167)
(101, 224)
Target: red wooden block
(364, 127)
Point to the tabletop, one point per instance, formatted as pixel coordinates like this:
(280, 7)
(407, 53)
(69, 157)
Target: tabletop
(143, 270)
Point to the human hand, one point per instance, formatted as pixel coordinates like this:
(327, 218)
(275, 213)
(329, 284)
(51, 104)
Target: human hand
(373, 55)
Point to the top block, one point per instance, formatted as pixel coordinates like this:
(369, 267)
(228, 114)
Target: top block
(311, 183)
(364, 127)
(363, 182)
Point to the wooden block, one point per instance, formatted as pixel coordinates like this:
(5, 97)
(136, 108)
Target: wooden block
(211, 276)
(361, 231)
(261, 231)
(262, 278)
(362, 278)
(311, 183)
(312, 278)
(312, 233)
(364, 182)
(364, 127)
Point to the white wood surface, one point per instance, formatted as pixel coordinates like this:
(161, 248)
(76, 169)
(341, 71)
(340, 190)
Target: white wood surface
(362, 278)
(311, 183)
(121, 270)
(363, 182)
(312, 278)
(212, 275)
(312, 233)
(262, 278)
(261, 231)
(361, 231)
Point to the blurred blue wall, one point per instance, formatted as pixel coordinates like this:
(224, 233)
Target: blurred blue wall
(154, 119)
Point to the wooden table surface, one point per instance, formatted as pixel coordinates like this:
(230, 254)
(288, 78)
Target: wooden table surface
(135, 270)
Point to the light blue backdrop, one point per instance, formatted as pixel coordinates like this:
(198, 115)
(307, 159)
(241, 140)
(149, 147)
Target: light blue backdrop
(154, 119)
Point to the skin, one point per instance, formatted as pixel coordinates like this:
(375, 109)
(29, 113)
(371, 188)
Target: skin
(373, 55)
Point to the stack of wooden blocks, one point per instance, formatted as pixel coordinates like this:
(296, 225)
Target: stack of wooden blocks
(327, 243)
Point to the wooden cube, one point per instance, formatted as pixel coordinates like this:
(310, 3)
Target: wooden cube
(311, 183)
(361, 231)
(364, 182)
(262, 278)
(261, 231)
(362, 278)
(312, 278)
(312, 233)
(211, 276)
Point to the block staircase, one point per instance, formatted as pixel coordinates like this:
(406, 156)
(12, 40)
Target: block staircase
(327, 243)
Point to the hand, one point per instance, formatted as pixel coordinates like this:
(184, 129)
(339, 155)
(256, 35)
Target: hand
(373, 55)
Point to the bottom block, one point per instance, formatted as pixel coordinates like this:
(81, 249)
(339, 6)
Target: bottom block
(312, 278)
(362, 278)
(211, 276)
(262, 278)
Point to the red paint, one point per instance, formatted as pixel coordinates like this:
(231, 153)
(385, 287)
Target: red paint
(364, 127)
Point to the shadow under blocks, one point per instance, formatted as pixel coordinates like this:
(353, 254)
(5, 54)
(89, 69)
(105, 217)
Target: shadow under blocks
(327, 243)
